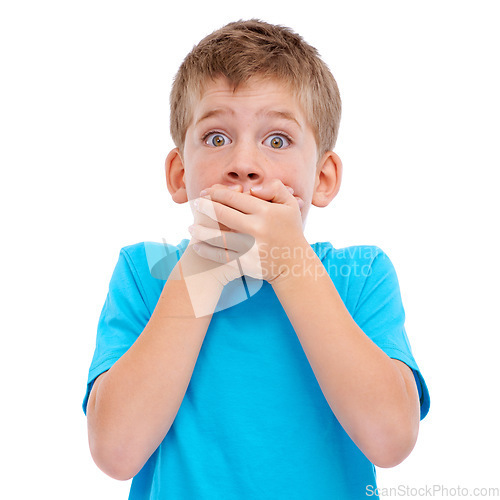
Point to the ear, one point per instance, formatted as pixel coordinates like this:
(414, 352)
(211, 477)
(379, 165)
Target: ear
(328, 179)
(174, 173)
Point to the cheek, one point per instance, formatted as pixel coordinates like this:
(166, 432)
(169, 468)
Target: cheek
(302, 179)
(198, 176)
(192, 182)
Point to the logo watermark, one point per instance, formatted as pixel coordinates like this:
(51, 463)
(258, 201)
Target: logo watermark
(245, 266)
(431, 490)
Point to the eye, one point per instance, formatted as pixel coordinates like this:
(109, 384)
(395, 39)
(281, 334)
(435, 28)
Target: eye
(277, 141)
(216, 139)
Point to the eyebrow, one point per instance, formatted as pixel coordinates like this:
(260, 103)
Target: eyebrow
(284, 115)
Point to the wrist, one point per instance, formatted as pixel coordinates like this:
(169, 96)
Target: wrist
(290, 261)
(202, 286)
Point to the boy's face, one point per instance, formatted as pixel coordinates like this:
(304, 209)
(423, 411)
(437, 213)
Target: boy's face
(249, 137)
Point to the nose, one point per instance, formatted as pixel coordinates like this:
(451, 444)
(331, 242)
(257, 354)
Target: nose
(244, 167)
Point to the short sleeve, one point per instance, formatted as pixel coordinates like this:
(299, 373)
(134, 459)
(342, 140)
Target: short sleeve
(123, 318)
(380, 314)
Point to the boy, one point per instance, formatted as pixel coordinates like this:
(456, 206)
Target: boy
(246, 363)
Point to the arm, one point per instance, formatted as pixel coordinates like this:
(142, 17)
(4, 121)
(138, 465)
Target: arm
(133, 404)
(374, 397)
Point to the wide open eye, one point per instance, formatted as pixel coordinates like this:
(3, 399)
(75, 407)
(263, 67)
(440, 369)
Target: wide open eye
(277, 141)
(216, 139)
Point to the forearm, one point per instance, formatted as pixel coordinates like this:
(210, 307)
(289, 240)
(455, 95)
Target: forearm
(363, 386)
(138, 398)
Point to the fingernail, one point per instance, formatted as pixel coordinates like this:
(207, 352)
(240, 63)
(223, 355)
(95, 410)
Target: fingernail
(191, 228)
(196, 203)
(290, 189)
(203, 192)
(256, 188)
(234, 186)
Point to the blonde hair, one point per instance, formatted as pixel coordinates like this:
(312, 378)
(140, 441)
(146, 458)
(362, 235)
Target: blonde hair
(245, 49)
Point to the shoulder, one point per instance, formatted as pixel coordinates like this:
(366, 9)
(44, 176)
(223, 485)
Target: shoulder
(145, 267)
(153, 259)
(152, 249)
(356, 270)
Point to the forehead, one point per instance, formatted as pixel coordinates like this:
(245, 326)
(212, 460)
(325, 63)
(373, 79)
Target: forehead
(256, 95)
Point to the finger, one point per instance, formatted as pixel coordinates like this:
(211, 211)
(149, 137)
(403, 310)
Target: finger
(224, 213)
(205, 220)
(232, 187)
(215, 254)
(202, 219)
(232, 198)
(238, 242)
(299, 200)
(194, 266)
(275, 192)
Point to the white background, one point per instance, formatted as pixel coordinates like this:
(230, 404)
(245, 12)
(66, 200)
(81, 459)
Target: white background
(84, 135)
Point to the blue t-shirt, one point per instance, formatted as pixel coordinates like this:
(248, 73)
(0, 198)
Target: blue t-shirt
(254, 423)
